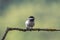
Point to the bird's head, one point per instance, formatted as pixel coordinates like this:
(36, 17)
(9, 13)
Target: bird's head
(31, 18)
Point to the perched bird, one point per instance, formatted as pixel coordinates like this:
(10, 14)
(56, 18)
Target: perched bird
(30, 22)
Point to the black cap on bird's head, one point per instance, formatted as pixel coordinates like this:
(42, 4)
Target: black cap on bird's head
(31, 18)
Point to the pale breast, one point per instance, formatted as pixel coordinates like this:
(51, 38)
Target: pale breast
(29, 24)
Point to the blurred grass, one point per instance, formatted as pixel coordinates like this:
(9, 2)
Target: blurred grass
(15, 12)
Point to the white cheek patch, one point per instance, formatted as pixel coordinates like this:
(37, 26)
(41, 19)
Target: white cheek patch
(31, 18)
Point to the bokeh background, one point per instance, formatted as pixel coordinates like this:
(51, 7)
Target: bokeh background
(13, 13)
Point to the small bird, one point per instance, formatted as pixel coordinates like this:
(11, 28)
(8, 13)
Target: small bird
(30, 22)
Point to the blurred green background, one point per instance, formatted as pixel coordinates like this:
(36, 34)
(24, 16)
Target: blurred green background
(13, 13)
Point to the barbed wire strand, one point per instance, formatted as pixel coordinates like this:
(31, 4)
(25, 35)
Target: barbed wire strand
(24, 30)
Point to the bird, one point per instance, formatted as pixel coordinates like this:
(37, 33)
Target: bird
(30, 22)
